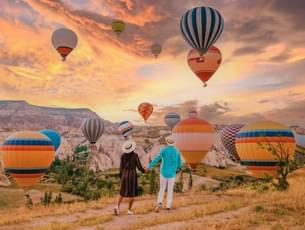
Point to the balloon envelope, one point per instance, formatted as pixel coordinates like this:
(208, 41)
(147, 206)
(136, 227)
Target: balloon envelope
(126, 128)
(156, 49)
(204, 66)
(54, 136)
(118, 26)
(145, 109)
(93, 129)
(228, 136)
(27, 156)
(194, 138)
(171, 119)
(259, 160)
(64, 41)
(300, 146)
(201, 27)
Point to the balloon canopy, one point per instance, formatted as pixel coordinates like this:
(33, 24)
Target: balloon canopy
(93, 129)
(204, 66)
(300, 148)
(125, 128)
(118, 26)
(27, 156)
(252, 143)
(156, 49)
(194, 138)
(145, 109)
(53, 135)
(171, 119)
(64, 41)
(228, 136)
(201, 27)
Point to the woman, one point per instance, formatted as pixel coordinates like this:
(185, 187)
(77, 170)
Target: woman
(128, 174)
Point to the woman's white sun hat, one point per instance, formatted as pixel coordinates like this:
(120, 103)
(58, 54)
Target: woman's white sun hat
(128, 146)
(170, 140)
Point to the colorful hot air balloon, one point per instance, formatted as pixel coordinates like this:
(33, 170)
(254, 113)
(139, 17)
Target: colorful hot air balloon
(251, 139)
(194, 138)
(300, 148)
(228, 136)
(145, 109)
(93, 129)
(64, 41)
(171, 119)
(201, 27)
(126, 128)
(118, 26)
(54, 136)
(204, 66)
(27, 156)
(156, 49)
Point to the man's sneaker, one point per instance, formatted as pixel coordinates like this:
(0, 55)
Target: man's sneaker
(129, 212)
(116, 211)
(168, 209)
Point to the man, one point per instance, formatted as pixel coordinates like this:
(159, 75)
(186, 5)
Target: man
(170, 163)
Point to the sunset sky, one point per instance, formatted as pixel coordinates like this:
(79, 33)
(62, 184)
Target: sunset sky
(262, 75)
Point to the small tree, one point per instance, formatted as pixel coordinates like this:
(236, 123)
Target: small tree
(282, 153)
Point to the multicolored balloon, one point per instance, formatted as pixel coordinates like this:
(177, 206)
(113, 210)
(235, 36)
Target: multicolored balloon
(145, 109)
(228, 136)
(300, 146)
(156, 49)
(118, 27)
(201, 27)
(252, 143)
(171, 119)
(27, 156)
(53, 135)
(194, 138)
(64, 41)
(93, 128)
(204, 66)
(126, 128)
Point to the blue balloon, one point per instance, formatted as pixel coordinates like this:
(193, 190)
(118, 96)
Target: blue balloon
(53, 136)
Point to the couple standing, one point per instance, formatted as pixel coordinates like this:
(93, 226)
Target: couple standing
(170, 163)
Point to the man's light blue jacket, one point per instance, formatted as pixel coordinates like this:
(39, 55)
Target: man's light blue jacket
(170, 158)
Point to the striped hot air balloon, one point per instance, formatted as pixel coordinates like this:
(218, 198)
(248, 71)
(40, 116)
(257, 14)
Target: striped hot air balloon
(27, 156)
(194, 138)
(259, 160)
(171, 119)
(204, 66)
(156, 49)
(228, 136)
(126, 128)
(93, 129)
(145, 109)
(300, 148)
(64, 41)
(201, 27)
(118, 26)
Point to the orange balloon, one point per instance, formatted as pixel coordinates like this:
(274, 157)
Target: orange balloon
(145, 109)
(204, 66)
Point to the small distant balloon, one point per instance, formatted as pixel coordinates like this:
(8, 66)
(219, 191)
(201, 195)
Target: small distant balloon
(171, 119)
(145, 109)
(118, 26)
(93, 128)
(125, 128)
(156, 49)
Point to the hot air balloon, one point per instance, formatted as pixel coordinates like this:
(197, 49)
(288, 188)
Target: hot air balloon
(228, 136)
(156, 49)
(126, 128)
(252, 141)
(64, 41)
(145, 109)
(201, 27)
(54, 136)
(27, 156)
(300, 146)
(171, 119)
(204, 66)
(118, 26)
(194, 138)
(93, 129)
